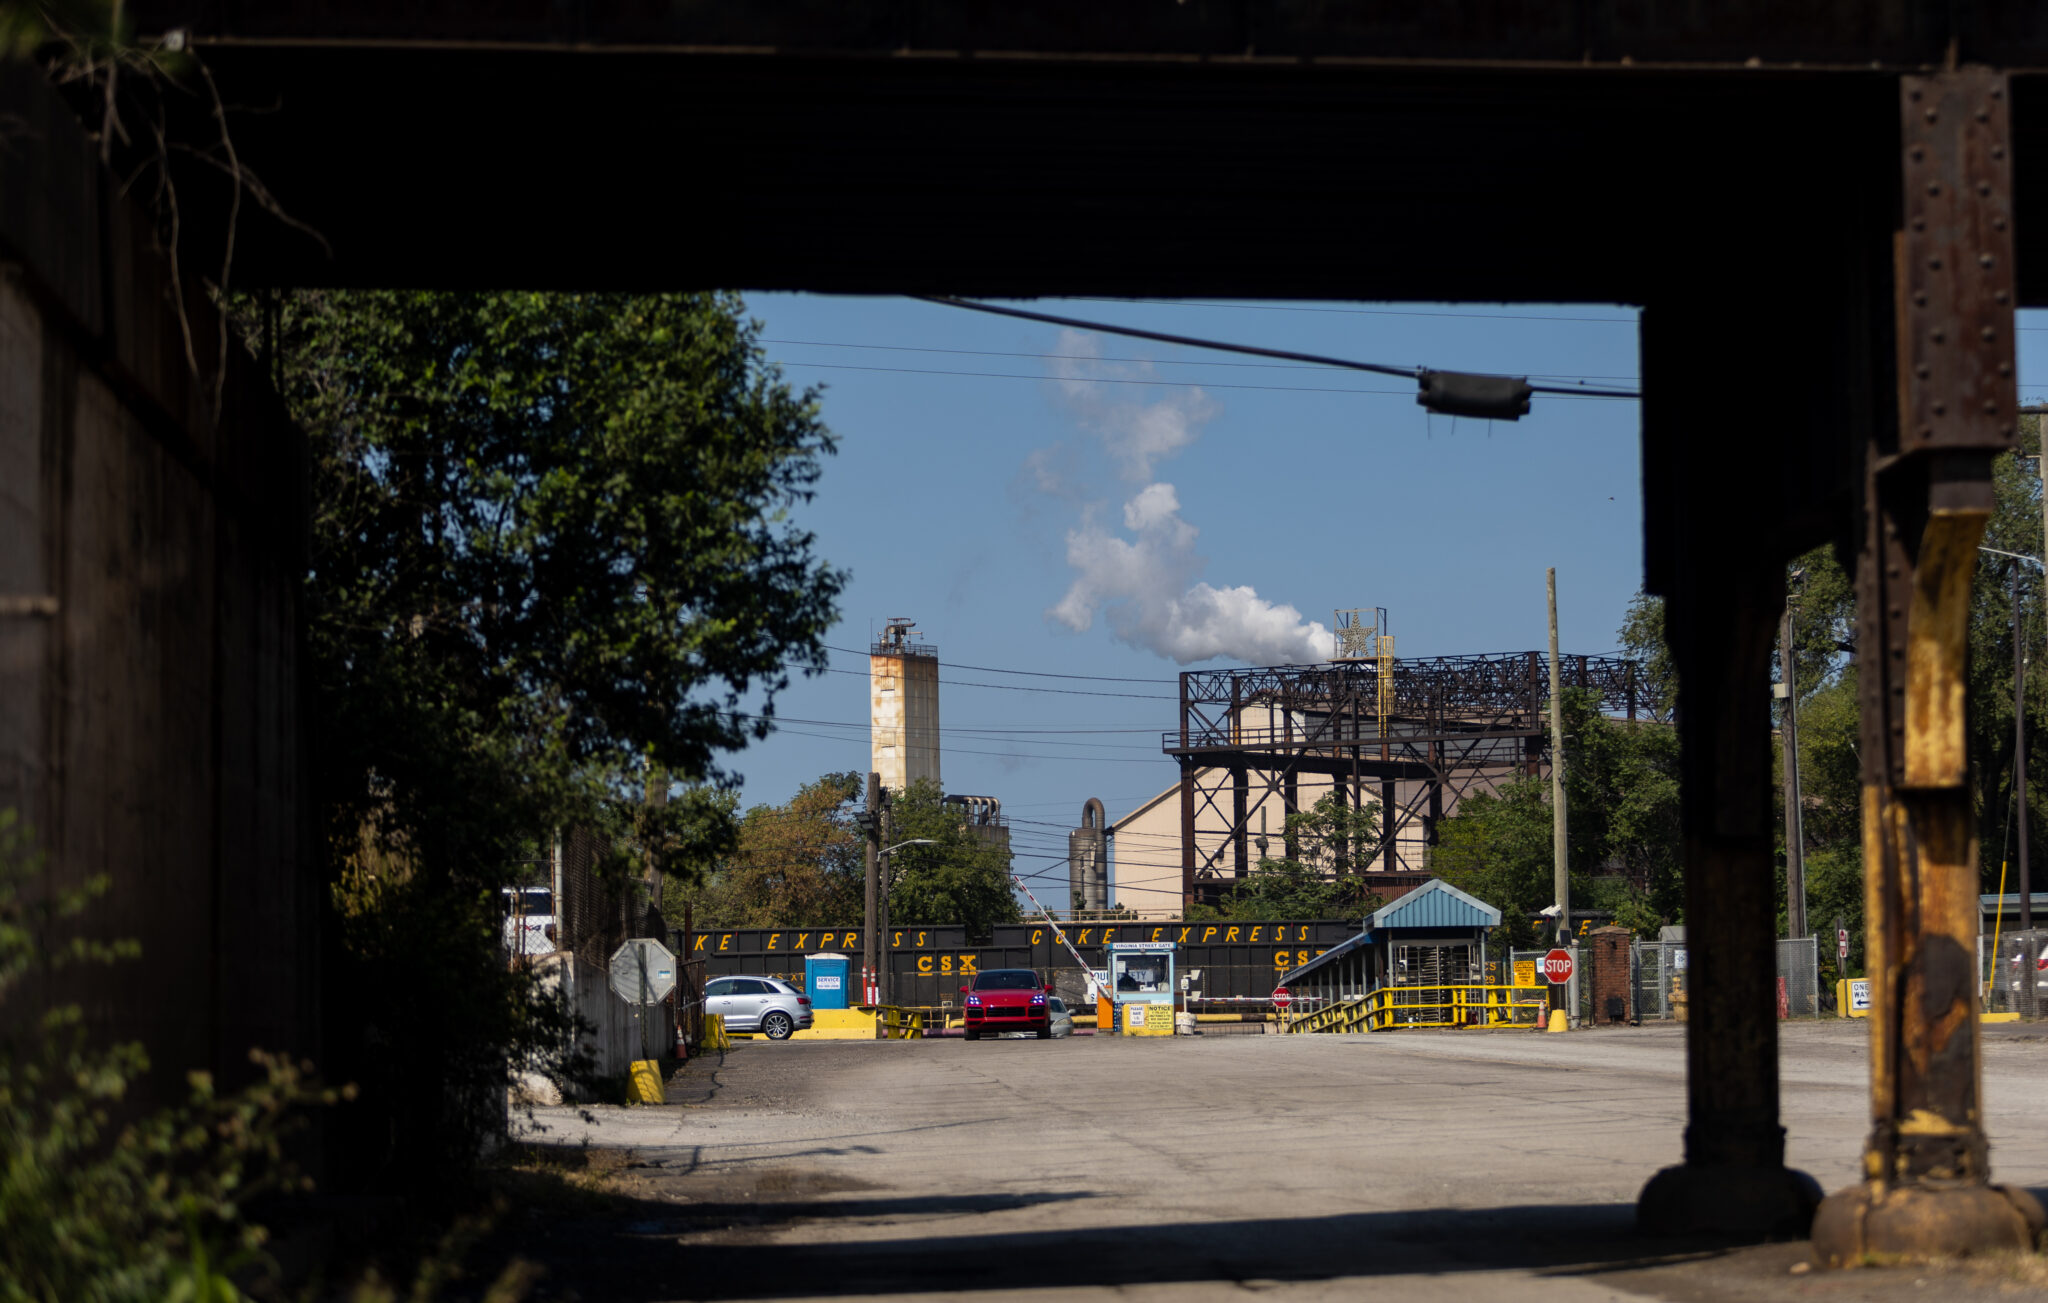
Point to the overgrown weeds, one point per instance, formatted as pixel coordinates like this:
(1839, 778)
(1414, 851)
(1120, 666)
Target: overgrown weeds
(100, 1202)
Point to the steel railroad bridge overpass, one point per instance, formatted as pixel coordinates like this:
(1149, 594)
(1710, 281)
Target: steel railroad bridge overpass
(1827, 212)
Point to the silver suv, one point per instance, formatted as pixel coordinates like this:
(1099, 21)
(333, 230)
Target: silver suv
(767, 1005)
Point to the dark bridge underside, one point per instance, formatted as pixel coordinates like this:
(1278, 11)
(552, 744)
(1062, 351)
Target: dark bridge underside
(1550, 152)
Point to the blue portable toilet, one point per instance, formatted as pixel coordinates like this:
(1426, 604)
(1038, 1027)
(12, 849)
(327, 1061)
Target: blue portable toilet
(825, 980)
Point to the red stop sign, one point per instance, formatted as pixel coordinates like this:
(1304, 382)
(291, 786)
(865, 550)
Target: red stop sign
(1281, 998)
(1557, 966)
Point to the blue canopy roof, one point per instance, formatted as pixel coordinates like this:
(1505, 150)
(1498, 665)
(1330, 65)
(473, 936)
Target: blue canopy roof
(1435, 904)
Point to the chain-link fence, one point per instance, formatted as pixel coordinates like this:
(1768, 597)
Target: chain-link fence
(2002, 958)
(1661, 973)
(1659, 985)
(600, 906)
(1799, 978)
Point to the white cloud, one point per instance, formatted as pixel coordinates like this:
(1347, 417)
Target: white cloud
(1145, 588)
(1145, 581)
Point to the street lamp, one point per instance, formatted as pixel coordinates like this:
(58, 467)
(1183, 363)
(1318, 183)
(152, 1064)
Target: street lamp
(886, 978)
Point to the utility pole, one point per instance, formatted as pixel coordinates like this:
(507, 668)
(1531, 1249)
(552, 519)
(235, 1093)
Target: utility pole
(1560, 868)
(1795, 831)
(2040, 415)
(886, 978)
(871, 922)
(2029, 977)
(657, 827)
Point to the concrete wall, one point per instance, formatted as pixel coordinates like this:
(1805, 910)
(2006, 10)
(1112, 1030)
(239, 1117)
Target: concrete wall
(151, 549)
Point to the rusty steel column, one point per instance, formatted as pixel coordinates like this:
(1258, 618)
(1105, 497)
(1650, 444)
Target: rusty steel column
(1240, 792)
(1926, 1190)
(1390, 857)
(1722, 621)
(1722, 514)
(1187, 831)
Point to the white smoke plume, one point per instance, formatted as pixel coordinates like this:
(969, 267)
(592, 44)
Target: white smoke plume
(1136, 435)
(1145, 588)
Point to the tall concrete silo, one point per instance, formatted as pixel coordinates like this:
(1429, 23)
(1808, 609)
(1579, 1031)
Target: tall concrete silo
(903, 700)
(1088, 858)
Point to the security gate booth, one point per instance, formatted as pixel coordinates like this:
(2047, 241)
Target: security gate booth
(1419, 962)
(1141, 982)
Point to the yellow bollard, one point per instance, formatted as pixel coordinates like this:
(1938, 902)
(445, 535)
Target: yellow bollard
(1558, 1021)
(644, 1082)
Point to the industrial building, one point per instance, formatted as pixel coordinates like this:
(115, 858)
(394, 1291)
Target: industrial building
(1416, 736)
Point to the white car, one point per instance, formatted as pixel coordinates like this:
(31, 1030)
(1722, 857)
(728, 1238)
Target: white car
(767, 1005)
(1062, 1018)
(529, 921)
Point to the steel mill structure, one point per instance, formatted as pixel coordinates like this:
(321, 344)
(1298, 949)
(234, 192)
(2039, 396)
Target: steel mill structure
(1414, 735)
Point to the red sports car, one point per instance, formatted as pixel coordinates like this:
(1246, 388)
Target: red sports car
(1007, 1000)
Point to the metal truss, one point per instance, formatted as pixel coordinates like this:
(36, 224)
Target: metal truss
(1453, 721)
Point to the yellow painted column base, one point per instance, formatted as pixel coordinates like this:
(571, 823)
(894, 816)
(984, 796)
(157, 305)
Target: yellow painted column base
(1559, 1022)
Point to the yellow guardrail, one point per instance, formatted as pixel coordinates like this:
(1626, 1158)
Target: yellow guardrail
(1394, 1007)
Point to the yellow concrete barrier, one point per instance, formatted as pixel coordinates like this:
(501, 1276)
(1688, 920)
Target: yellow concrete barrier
(838, 1025)
(644, 1082)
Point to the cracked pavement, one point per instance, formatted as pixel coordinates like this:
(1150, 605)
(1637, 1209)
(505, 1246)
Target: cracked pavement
(1432, 1165)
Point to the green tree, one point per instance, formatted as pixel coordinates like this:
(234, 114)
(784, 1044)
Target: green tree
(963, 878)
(795, 864)
(1621, 803)
(1642, 638)
(2015, 526)
(551, 550)
(1331, 840)
(1498, 847)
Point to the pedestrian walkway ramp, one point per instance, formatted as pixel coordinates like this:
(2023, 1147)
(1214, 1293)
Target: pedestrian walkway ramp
(1392, 1008)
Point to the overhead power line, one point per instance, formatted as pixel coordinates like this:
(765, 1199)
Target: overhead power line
(1036, 674)
(1453, 393)
(1083, 357)
(1024, 687)
(1093, 380)
(1361, 312)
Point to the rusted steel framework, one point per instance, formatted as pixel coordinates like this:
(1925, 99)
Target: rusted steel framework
(1454, 721)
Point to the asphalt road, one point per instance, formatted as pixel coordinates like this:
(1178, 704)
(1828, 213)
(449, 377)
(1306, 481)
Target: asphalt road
(1421, 1165)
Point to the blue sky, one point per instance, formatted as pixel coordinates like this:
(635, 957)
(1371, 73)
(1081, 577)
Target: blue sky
(1024, 523)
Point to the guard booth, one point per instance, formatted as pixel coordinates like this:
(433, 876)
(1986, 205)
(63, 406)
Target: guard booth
(1419, 962)
(1141, 982)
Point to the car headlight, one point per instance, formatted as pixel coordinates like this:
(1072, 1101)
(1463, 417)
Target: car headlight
(1038, 999)
(974, 1002)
